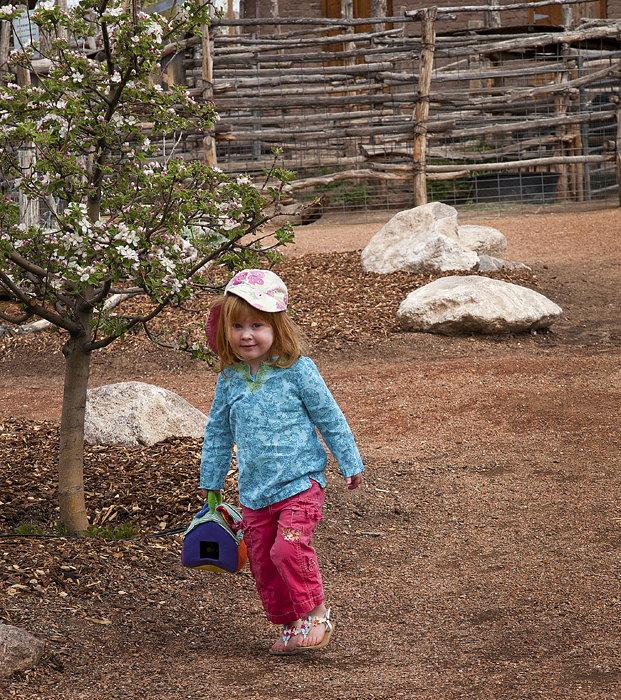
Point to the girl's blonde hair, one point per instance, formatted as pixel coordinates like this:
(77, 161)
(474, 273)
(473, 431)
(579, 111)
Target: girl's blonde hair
(289, 341)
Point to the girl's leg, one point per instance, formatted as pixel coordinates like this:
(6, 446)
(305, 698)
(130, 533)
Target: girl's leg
(260, 531)
(284, 563)
(296, 560)
(261, 528)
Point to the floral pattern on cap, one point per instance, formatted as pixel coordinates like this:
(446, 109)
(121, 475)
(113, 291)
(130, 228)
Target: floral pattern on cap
(262, 289)
(250, 276)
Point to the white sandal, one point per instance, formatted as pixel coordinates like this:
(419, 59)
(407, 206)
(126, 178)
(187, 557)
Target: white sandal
(287, 632)
(307, 625)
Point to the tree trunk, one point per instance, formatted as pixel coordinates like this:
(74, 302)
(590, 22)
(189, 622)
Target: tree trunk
(71, 462)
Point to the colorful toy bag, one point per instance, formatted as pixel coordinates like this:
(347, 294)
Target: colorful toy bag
(214, 540)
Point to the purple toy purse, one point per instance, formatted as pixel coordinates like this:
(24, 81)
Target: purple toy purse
(214, 541)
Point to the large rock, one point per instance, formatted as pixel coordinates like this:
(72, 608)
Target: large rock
(19, 650)
(135, 413)
(483, 240)
(473, 304)
(428, 239)
(438, 254)
(405, 241)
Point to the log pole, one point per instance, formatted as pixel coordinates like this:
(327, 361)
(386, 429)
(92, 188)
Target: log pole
(618, 149)
(421, 114)
(209, 142)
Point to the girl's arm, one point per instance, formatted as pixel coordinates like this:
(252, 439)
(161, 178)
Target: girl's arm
(217, 444)
(329, 419)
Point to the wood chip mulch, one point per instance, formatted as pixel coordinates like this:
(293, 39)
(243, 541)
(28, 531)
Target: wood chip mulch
(333, 301)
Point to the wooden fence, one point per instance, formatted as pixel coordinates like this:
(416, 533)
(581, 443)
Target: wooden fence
(390, 112)
(407, 111)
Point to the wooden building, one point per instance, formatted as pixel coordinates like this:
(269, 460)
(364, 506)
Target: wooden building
(550, 15)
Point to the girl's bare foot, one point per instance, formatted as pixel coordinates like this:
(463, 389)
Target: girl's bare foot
(287, 647)
(316, 632)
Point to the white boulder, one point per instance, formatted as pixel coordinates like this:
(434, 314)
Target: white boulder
(19, 650)
(439, 254)
(473, 304)
(410, 236)
(428, 239)
(483, 240)
(136, 413)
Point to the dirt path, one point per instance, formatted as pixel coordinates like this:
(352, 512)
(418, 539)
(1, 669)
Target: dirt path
(481, 559)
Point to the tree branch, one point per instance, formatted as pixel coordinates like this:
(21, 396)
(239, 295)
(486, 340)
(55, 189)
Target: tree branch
(33, 308)
(13, 319)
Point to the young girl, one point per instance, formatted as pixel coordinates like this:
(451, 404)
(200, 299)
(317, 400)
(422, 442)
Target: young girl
(269, 399)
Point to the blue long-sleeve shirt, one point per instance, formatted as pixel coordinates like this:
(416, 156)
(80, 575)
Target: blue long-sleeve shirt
(272, 420)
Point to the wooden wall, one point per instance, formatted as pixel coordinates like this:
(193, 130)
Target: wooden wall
(362, 8)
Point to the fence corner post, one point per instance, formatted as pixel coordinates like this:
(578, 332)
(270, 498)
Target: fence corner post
(618, 149)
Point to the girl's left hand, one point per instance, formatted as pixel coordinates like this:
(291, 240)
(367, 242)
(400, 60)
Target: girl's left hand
(353, 481)
(205, 492)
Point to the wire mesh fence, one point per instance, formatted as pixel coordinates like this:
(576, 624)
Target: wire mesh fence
(516, 118)
(519, 117)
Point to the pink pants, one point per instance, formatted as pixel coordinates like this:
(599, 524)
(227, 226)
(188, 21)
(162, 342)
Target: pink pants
(282, 560)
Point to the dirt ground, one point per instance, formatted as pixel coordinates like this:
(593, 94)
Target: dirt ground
(480, 559)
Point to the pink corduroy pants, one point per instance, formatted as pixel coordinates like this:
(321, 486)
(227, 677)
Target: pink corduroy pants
(281, 557)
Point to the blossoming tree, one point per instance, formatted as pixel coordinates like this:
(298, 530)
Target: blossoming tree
(110, 207)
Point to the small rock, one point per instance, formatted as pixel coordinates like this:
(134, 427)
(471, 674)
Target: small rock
(483, 240)
(19, 650)
(487, 263)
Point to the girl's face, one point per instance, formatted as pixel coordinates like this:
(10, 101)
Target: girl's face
(251, 339)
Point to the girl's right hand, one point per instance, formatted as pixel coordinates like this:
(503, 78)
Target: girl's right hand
(205, 492)
(354, 481)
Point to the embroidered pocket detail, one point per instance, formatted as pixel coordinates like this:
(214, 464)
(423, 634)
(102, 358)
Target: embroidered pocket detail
(304, 519)
(290, 535)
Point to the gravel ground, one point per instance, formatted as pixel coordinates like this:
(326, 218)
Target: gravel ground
(481, 558)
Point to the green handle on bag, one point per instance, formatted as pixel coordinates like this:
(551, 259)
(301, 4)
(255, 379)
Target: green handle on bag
(214, 499)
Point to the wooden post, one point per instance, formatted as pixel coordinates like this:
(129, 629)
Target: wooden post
(209, 142)
(347, 12)
(492, 17)
(378, 9)
(618, 149)
(257, 14)
(5, 46)
(421, 116)
(275, 13)
(567, 17)
(231, 15)
(28, 208)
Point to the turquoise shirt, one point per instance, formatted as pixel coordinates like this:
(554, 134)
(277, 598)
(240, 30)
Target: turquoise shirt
(272, 419)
